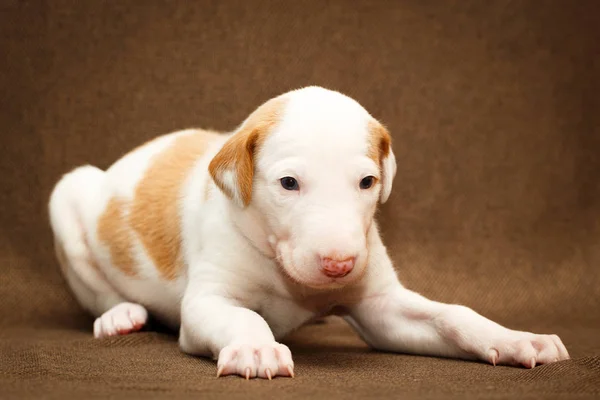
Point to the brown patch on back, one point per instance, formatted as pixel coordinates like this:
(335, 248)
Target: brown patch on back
(153, 215)
(112, 229)
(237, 155)
(155, 212)
(379, 142)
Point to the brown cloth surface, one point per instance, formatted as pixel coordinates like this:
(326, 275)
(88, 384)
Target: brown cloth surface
(494, 111)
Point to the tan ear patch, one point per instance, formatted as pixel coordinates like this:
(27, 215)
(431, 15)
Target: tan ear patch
(237, 155)
(379, 142)
(113, 230)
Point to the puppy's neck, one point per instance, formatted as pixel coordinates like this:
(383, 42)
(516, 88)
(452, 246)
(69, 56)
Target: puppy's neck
(251, 225)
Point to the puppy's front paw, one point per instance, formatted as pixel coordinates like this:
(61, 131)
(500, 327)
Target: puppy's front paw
(526, 349)
(250, 361)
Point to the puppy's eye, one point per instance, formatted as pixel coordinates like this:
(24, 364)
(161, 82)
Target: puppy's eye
(367, 182)
(289, 183)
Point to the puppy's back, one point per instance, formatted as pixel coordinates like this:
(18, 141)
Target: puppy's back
(143, 194)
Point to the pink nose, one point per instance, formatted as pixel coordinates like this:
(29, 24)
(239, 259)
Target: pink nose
(334, 268)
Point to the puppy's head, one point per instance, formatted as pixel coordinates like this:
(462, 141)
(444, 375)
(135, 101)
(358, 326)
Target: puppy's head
(314, 164)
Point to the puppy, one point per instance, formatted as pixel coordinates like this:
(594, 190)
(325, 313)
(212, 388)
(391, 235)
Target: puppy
(237, 239)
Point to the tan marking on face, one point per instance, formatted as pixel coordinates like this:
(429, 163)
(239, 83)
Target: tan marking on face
(155, 210)
(237, 155)
(379, 142)
(113, 231)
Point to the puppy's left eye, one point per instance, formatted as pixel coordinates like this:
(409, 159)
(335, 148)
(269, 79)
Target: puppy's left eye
(367, 182)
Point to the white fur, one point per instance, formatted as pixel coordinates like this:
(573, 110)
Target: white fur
(253, 273)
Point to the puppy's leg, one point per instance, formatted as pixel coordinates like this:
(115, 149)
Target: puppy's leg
(400, 320)
(240, 338)
(122, 319)
(114, 315)
(71, 203)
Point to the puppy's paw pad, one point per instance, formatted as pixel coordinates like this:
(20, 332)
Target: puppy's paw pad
(527, 350)
(122, 319)
(251, 361)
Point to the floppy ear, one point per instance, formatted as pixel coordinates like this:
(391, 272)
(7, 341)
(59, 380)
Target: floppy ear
(380, 150)
(389, 172)
(232, 168)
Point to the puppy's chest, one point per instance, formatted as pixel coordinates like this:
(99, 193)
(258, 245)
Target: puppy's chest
(286, 313)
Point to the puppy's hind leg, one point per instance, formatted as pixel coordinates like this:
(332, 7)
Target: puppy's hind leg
(71, 204)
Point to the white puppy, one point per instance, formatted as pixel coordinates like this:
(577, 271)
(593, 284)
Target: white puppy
(239, 239)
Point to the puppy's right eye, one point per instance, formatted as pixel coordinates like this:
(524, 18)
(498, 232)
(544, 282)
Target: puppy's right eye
(289, 183)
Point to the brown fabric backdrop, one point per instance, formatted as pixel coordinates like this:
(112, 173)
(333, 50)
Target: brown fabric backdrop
(494, 111)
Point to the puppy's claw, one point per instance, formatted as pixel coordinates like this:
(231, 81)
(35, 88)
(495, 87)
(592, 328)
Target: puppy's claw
(220, 370)
(247, 373)
(532, 362)
(290, 370)
(268, 373)
(493, 354)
